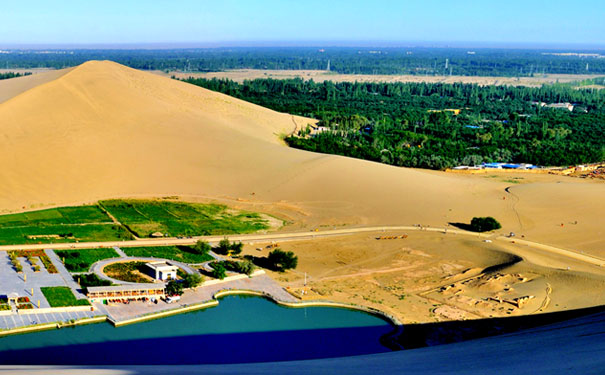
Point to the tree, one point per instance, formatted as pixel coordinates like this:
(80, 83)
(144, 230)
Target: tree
(218, 270)
(202, 247)
(282, 260)
(174, 288)
(192, 280)
(236, 248)
(484, 224)
(223, 246)
(246, 267)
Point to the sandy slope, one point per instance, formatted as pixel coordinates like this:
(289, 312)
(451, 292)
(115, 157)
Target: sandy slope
(103, 130)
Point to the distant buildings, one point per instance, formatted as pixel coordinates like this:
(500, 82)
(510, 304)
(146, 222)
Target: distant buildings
(566, 105)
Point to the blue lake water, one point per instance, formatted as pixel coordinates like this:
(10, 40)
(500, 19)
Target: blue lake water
(240, 329)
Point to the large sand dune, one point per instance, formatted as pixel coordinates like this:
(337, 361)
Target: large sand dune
(102, 130)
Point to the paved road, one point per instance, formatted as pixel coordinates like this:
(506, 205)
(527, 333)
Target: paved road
(301, 236)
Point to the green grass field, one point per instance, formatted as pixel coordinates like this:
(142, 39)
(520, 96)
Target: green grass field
(179, 253)
(142, 217)
(58, 225)
(145, 217)
(61, 296)
(56, 216)
(62, 233)
(81, 260)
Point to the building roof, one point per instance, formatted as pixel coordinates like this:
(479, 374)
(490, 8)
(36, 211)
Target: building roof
(126, 287)
(162, 266)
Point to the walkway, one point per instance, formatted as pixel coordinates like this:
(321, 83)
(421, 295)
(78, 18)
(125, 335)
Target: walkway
(16, 321)
(297, 236)
(120, 252)
(67, 277)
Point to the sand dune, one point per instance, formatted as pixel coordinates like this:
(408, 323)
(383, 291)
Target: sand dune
(103, 130)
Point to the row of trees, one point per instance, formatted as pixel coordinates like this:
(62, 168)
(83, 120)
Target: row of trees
(408, 124)
(9, 75)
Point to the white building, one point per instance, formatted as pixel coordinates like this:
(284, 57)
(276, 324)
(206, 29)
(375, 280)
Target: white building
(162, 270)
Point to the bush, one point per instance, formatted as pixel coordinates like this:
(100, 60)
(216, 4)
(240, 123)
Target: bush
(192, 280)
(174, 288)
(218, 270)
(224, 246)
(91, 279)
(201, 247)
(245, 266)
(282, 260)
(484, 224)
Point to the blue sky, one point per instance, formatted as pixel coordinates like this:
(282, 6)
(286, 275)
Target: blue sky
(270, 21)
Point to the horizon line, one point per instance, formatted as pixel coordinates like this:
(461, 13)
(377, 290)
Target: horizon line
(300, 44)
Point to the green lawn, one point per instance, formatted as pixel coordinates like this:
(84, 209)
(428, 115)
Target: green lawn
(179, 253)
(145, 217)
(81, 260)
(61, 296)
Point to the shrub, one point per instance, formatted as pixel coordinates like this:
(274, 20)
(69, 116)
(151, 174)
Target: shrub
(174, 288)
(484, 224)
(91, 279)
(282, 260)
(218, 270)
(201, 247)
(192, 280)
(224, 246)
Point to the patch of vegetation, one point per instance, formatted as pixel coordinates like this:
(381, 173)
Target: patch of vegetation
(192, 280)
(225, 247)
(277, 260)
(245, 266)
(146, 217)
(484, 224)
(9, 75)
(479, 224)
(127, 271)
(81, 260)
(4, 307)
(90, 279)
(174, 288)
(59, 225)
(218, 270)
(61, 296)
(30, 254)
(185, 254)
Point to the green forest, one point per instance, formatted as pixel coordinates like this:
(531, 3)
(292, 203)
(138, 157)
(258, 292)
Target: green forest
(345, 60)
(410, 124)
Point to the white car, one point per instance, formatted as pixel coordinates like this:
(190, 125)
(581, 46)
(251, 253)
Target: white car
(172, 299)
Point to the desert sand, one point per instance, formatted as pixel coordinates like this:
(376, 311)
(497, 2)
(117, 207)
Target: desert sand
(102, 130)
(240, 75)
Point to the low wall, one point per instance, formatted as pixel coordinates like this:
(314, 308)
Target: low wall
(55, 325)
(164, 313)
(5, 312)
